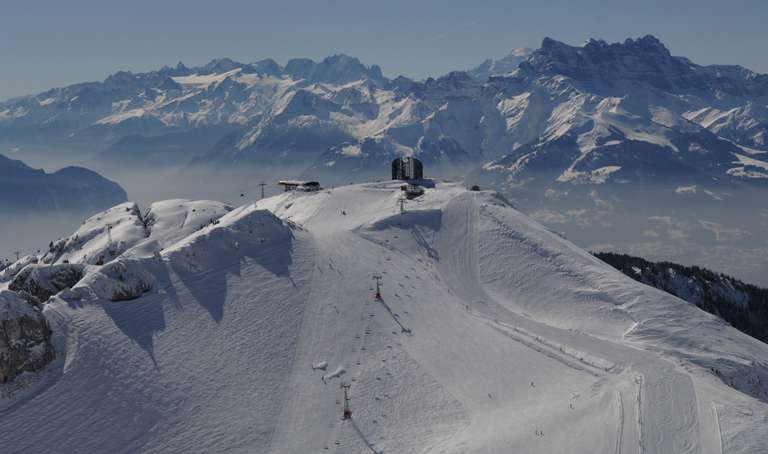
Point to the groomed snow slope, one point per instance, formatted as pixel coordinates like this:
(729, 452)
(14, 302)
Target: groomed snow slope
(492, 335)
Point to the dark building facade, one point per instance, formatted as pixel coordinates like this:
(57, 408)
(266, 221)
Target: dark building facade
(294, 185)
(407, 168)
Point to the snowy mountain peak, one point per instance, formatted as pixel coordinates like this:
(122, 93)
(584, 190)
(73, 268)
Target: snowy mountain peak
(520, 52)
(499, 67)
(255, 319)
(609, 66)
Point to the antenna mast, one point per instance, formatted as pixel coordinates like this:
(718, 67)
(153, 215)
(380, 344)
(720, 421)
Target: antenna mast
(262, 189)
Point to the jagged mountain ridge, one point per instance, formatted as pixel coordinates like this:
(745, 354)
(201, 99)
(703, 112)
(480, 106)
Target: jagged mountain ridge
(622, 112)
(645, 60)
(172, 99)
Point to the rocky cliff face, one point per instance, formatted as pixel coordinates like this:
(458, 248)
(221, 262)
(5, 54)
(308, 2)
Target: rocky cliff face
(25, 338)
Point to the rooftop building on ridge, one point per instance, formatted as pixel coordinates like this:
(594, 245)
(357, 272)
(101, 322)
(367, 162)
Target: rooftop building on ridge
(407, 168)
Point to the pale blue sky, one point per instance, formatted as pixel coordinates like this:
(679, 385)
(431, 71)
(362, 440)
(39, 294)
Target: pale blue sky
(47, 43)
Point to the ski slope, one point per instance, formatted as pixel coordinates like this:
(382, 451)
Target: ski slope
(492, 335)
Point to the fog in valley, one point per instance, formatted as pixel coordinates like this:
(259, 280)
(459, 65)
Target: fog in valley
(28, 231)
(725, 232)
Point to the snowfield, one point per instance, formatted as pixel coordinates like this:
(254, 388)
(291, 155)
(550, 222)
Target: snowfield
(492, 335)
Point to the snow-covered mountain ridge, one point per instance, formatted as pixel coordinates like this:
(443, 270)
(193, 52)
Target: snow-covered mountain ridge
(170, 99)
(491, 334)
(626, 112)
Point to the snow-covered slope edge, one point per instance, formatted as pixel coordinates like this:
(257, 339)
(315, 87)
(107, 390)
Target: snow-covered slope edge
(492, 334)
(743, 305)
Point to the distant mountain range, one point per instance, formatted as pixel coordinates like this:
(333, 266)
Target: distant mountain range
(594, 113)
(72, 189)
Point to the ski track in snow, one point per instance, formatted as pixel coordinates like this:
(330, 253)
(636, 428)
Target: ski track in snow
(640, 445)
(539, 347)
(362, 436)
(719, 428)
(620, 430)
(540, 344)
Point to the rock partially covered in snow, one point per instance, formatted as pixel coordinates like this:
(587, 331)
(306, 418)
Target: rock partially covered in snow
(8, 273)
(38, 282)
(25, 338)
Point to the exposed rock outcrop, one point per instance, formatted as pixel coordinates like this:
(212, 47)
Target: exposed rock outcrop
(25, 337)
(37, 283)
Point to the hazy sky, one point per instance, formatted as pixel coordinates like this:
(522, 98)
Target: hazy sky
(47, 43)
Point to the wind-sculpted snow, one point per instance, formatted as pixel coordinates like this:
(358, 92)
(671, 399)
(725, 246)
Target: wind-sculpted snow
(119, 280)
(491, 334)
(125, 230)
(171, 220)
(101, 238)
